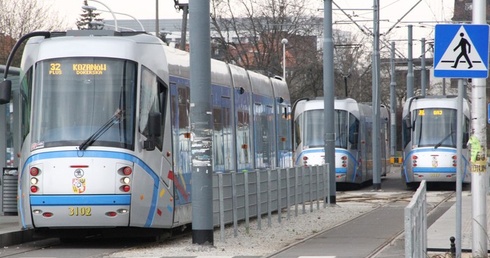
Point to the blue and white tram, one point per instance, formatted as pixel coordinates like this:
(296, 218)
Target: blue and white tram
(105, 136)
(429, 140)
(353, 138)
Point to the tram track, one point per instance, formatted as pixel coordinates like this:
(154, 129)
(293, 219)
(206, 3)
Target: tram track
(383, 203)
(431, 210)
(98, 246)
(386, 203)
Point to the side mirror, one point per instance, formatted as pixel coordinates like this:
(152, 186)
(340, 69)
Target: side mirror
(5, 91)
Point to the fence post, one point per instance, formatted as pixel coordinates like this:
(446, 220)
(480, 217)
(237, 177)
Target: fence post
(326, 184)
(310, 188)
(247, 203)
(296, 192)
(317, 187)
(269, 198)
(221, 208)
(279, 206)
(235, 204)
(288, 193)
(416, 224)
(303, 188)
(259, 201)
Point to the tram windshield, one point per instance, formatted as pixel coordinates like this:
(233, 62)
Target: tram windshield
(75, 97)
(314, 129)
(435, 127)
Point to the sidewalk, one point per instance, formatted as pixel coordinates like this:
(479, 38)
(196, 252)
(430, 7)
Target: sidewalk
(11, 233)
(438, 234)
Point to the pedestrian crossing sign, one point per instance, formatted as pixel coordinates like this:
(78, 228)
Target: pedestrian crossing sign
(461, 51)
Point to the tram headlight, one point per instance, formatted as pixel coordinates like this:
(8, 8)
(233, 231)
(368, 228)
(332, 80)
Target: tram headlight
(122, 211)
(125, 180)
(34, 181)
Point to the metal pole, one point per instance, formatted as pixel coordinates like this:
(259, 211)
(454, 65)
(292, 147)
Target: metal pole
(376, 99)
(459, 173)
(410, 64)
(3, 146)
(328, 95)
(157, 20)
(479, 166)
(393, 102)
(422, 69)
(443, 86)
(201, 122)
(183, 35)
(284, 42)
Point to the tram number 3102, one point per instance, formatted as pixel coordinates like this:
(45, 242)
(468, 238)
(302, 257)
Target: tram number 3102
(79, 211)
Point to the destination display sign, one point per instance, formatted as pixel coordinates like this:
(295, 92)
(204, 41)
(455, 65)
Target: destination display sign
(56, 68)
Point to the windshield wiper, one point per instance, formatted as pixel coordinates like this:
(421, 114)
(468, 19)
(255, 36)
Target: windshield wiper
(440, 143)
(90, 140)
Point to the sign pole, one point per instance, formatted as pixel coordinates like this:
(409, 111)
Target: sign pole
(460, 168)
(461, 51)
(479, 166)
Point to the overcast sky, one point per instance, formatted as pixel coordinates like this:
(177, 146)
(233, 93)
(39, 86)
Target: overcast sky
(399, 12)
(142, 9)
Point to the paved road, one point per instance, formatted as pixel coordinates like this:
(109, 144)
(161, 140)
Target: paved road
(375, 234)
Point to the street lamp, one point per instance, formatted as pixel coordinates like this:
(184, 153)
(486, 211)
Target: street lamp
(284, 42)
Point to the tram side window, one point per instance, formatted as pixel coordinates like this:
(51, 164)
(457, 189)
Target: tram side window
(25, 95)
(263, 135)
(284, 130)
(466, 132)
(406, 131)
(353, 131)
(184, 97)
(341, 127)
(149, 102)
(314, 128)
(218, 153)
(243, 137)
(297, 131)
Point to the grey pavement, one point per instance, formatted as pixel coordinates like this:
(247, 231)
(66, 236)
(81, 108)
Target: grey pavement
(361, 237)
(11, 232)
(380, 224)
(438, 234)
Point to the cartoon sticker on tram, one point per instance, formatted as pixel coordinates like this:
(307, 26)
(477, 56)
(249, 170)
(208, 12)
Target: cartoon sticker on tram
(435, 163)
(78, 183)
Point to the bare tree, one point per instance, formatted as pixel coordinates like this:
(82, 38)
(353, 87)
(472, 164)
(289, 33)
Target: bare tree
(352, 66)
(19, 17)
(249, 33)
